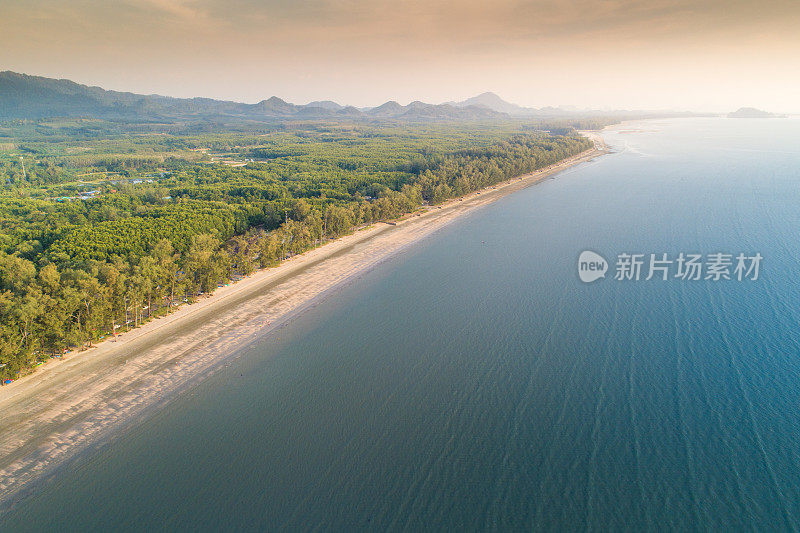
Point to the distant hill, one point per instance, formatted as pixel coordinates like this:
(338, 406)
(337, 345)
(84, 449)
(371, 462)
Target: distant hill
(325, 104)
(493, 102)
(389, 109)
(752, 112)
(33, 97)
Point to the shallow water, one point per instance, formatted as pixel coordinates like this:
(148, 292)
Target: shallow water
(474, 382)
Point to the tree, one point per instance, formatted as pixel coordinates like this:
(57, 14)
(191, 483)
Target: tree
(201, 267)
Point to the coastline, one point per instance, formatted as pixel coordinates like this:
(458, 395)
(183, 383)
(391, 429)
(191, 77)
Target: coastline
(49, 416)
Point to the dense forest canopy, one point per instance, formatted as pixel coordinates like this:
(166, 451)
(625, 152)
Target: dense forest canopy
(104, 226)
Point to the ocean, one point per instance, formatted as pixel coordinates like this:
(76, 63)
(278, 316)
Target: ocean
(474, 382)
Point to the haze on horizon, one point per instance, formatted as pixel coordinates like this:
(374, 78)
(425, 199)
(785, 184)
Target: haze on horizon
(706, 55)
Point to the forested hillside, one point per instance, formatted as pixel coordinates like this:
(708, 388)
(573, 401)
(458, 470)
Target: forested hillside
(100, 233)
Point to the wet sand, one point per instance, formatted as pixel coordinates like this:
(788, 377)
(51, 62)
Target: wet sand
(48, 417)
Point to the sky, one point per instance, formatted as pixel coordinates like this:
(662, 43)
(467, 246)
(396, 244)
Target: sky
(698, 55)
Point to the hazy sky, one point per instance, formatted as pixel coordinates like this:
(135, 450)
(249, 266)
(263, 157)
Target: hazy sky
(689, 54)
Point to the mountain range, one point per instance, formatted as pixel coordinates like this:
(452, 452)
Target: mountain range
(33, 97)
(23, 96)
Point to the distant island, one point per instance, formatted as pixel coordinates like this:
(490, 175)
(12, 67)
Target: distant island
(752, 112)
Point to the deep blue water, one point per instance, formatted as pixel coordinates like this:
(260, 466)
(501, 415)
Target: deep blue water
(474, 382)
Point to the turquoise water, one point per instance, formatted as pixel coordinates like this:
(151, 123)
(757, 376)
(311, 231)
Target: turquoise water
(474, 382)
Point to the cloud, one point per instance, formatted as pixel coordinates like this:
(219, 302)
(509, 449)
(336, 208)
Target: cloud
(184, 10)
(477, 26)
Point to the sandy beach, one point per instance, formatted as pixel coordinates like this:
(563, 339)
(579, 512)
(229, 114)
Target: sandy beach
(53, 414)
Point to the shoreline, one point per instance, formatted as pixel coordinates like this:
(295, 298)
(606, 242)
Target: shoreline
(69, 405)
